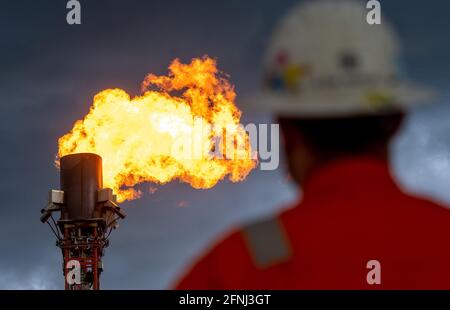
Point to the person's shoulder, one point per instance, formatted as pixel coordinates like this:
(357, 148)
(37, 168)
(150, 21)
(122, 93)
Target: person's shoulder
(255, 238)
(267, 241)
(427, 206)
(432, 216)
(214, 264)
(262, 226)
(229, 241)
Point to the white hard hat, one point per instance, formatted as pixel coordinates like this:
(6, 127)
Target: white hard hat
(325, 60)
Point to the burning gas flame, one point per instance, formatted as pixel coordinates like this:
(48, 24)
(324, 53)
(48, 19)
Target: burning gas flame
(175, 130)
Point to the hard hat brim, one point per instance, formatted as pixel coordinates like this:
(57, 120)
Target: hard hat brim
(351, 101)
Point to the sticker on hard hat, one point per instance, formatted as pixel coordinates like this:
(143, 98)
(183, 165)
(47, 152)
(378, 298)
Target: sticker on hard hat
(379, 99)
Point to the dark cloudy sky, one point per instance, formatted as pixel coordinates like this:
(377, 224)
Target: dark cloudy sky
(49, 72)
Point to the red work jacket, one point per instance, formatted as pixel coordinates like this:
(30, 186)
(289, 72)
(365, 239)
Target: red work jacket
(351, 214)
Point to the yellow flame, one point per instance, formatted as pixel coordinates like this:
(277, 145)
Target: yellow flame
(170, 132)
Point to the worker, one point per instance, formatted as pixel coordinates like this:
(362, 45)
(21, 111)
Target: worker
(336, 86)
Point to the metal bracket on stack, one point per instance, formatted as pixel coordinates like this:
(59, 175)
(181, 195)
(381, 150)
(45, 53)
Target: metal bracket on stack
(55, 200)
(109, 206)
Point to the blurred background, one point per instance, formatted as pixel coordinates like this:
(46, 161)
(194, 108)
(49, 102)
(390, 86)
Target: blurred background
(49, 72)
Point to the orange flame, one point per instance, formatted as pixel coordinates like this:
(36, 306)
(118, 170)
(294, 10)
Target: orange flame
(171, 132)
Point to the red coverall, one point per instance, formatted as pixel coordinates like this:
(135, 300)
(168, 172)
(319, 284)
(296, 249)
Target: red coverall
(351, 212)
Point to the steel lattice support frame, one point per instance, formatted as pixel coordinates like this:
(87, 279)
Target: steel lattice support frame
(83, 242)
